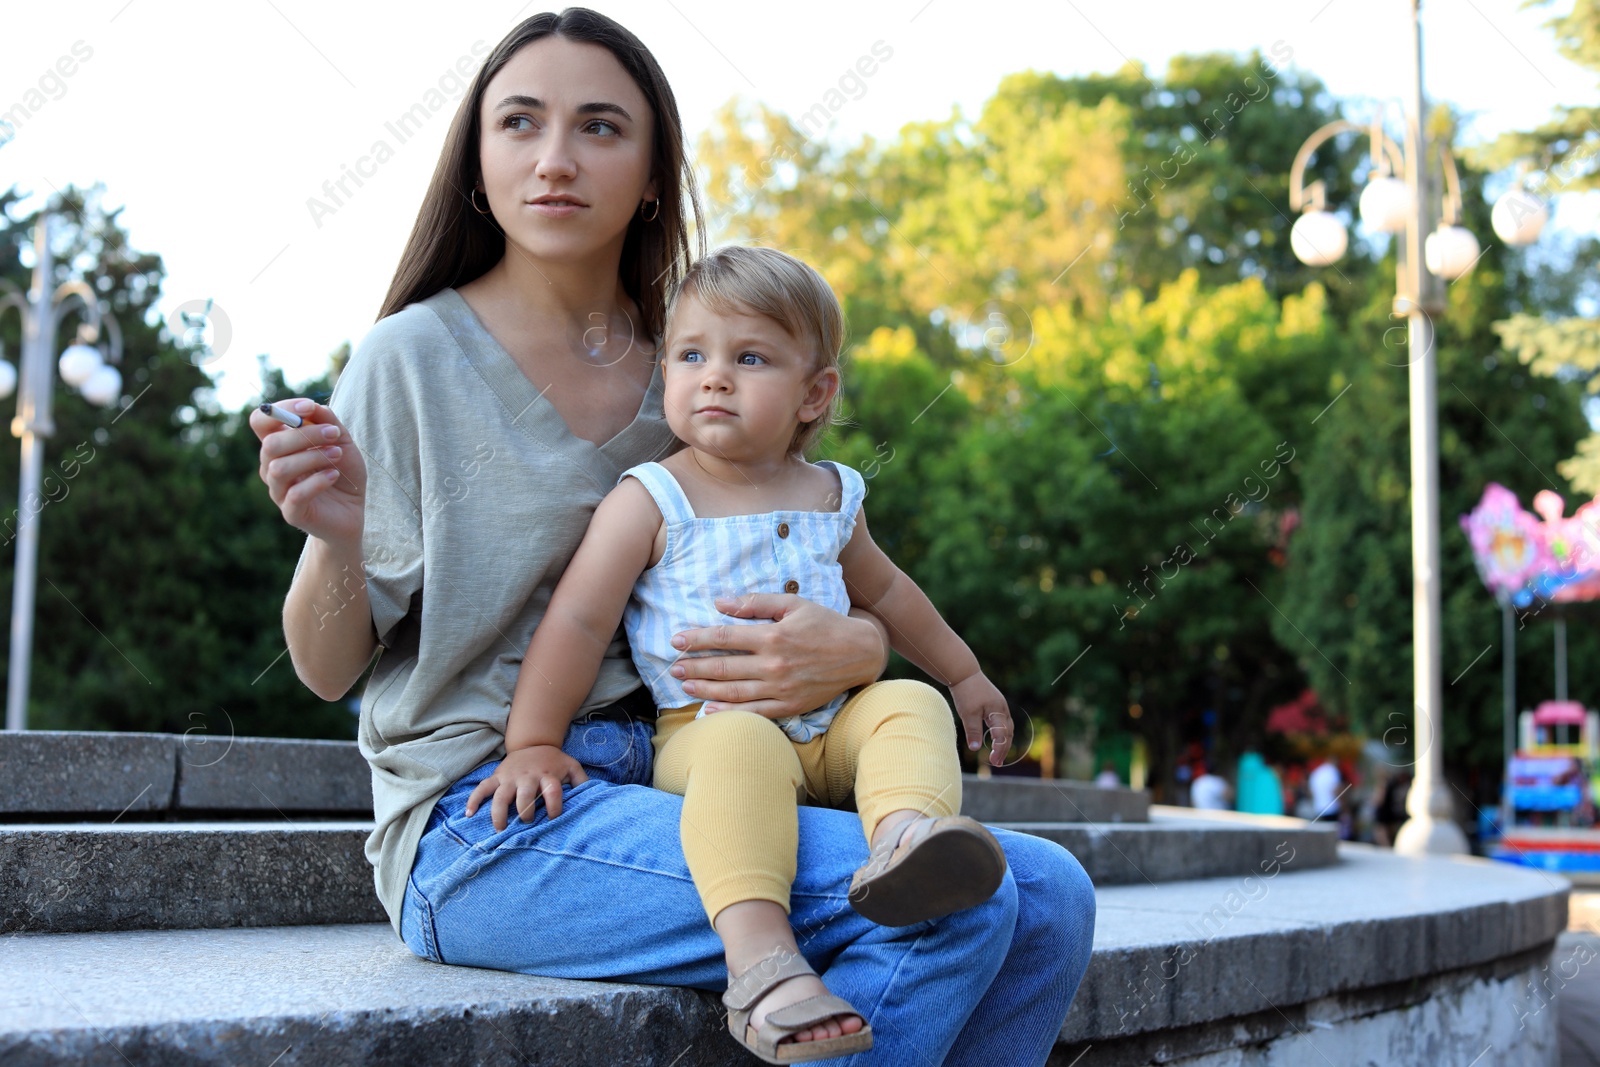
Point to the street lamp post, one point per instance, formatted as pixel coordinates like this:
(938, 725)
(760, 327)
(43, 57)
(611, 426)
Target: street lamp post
(81, 365)
(1392, 205)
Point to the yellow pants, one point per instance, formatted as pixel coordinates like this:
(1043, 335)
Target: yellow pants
(893, 744)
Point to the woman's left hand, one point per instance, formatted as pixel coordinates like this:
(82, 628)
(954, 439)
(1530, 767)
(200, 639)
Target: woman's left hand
(809, 655)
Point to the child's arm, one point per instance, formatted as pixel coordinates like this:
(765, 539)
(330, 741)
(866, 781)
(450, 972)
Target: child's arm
(563, 657)
(918, 633)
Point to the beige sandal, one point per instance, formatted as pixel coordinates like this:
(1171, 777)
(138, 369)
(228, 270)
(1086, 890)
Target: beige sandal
(773, 969)
(943, 865)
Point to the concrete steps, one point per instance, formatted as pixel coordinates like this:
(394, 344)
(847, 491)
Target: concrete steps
(1181, 971)
(78, 877)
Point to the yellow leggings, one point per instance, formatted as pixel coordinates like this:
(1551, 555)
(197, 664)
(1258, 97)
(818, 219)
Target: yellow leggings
(741, 778)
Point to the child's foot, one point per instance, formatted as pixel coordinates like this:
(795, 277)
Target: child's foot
(932, 866)
(772, 975)
(794, 990)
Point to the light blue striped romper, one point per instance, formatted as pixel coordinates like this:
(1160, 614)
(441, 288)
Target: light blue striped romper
(774, 552)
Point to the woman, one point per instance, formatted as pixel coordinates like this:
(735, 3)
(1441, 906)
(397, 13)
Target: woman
(509, 381)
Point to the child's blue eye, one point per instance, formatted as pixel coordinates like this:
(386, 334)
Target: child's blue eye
(689, 355)
(752, 355)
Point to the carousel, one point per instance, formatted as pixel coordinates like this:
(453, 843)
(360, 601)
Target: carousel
(1535, 564)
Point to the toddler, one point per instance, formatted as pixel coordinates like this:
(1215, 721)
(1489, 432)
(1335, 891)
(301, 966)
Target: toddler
(751, 379)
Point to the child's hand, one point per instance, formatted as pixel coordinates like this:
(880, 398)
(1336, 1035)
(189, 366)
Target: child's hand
(979, 704)
(524, 776)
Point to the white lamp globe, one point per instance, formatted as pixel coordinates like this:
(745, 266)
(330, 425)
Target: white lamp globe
(78, 364)
(103, 387)
(1318, 239)
(1386, 204)
(8, 379)
(1519, 216)
(1450, 251)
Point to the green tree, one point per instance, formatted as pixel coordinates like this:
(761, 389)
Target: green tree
(1555, 341)
(162, 562)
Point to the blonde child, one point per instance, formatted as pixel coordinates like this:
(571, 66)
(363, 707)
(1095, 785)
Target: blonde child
(751, 378)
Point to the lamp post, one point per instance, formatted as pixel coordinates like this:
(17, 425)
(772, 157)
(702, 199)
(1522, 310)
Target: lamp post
(1401, 204)
(82, 366)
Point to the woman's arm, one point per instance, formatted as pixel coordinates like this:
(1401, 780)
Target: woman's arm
(327, 619)
(329, 634)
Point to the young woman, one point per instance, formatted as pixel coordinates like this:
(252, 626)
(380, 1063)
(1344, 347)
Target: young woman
(510, 380)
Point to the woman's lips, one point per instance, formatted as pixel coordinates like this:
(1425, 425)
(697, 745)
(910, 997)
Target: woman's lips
(557, 209)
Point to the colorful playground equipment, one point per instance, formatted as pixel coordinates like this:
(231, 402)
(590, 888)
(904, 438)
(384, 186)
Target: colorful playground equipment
(1552, 780)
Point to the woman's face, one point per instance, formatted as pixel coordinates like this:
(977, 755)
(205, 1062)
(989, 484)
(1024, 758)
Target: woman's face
(564, 119)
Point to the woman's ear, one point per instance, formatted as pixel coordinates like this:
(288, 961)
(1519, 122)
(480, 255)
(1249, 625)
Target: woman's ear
(820, 394)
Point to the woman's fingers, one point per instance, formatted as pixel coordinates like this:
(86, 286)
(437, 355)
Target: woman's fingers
(767, 709)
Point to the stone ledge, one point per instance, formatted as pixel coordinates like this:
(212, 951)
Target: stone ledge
(1178, 955)
(354, 994)
(81, 772)
(1010, 800)
(141, 876)
(1173, 850)
(81, 877)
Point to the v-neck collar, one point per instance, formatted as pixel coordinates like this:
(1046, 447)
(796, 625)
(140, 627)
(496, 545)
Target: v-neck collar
(502, 374)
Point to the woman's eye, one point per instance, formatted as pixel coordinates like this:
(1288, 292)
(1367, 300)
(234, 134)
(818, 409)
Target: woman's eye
(613, 130)
(509, 121)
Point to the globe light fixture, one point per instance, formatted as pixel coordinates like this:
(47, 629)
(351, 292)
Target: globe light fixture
(1318, 238)
(1386, 203)
(1451, 251)
(1519, 216)
(104, 387)
(79, 363)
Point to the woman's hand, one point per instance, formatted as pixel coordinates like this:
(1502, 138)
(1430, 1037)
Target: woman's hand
(316, 477)
(808, 656)
(524, 776)
(979, 705)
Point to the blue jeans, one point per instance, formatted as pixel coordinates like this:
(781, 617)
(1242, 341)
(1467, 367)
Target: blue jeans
(602, 892)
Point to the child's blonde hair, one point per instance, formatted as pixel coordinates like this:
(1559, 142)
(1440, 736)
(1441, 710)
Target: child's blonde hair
(739, 279)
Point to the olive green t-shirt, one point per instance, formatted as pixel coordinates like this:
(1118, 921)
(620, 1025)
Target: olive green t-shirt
(477, 498)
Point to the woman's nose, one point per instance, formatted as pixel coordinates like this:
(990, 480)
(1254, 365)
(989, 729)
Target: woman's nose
(556, 160)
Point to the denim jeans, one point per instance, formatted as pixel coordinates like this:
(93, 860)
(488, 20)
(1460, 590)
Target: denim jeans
(602, 892)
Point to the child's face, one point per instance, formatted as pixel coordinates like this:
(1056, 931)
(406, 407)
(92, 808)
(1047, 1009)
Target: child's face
(737, 386)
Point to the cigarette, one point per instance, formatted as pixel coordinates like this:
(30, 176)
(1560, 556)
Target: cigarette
(283, 415)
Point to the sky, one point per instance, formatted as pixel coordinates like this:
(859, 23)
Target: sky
(215, 125)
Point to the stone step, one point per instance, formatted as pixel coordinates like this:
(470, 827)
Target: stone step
(144, 776)
(1378, 958)
(1008, 800)
(75, 877)
(164, 876)
(1178, 849)
(84, 773)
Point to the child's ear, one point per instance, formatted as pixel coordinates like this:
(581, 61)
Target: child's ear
(820, 394)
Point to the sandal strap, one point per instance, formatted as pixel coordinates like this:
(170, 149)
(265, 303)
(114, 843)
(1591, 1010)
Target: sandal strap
(807, 1013)
(883, 852)
(775, 967)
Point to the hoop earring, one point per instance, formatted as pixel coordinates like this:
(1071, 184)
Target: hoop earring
(472, 198)
(650, 218)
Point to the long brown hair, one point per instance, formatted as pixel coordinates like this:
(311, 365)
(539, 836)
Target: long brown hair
(452, 243)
